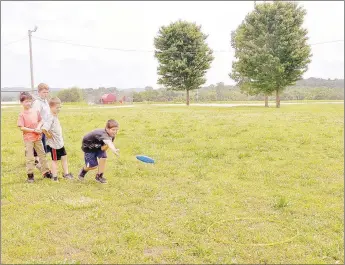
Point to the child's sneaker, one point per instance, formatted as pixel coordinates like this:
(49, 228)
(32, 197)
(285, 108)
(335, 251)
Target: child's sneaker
(55, 179)
(82, 174)
(30, 178)
(48, 175)
(68, 176)
(101, 179)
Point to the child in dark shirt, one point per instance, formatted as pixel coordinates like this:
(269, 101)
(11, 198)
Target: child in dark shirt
(94, 146)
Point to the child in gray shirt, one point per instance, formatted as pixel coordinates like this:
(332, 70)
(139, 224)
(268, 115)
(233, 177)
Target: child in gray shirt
(55, 144)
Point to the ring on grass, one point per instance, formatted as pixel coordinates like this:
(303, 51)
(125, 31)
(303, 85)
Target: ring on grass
(296, 232)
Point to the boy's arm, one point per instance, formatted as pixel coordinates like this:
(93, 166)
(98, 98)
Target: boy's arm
(25, 129)
(112, 147)
(47, 125)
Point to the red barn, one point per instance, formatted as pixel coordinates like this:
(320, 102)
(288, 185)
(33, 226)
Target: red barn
(108, 99)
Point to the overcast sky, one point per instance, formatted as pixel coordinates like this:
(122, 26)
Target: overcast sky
(133, 25)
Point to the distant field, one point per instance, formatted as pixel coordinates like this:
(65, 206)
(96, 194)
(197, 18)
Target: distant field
(272, 103)
(282, 167)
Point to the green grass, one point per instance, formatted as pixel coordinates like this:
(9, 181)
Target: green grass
(282, 167)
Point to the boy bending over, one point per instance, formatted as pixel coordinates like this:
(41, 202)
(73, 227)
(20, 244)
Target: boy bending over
(94, 146)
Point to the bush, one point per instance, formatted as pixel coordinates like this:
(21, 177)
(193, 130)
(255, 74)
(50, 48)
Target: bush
(70, 95)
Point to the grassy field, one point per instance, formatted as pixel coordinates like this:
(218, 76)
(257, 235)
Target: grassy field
(278, 171)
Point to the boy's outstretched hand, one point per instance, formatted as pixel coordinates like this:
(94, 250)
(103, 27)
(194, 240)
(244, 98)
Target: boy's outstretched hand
(109, 144)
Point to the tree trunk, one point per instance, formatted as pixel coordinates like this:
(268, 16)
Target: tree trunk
(187, 98)
(277, 99)
(266, 101)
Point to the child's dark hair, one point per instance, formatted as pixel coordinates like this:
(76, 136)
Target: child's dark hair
(111, 124)
(24, 96)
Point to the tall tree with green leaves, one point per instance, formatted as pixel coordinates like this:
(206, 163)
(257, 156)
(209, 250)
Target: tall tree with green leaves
(271, 49)
(183, 56)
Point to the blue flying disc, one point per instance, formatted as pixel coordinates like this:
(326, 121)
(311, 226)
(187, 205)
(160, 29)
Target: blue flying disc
(145, 159)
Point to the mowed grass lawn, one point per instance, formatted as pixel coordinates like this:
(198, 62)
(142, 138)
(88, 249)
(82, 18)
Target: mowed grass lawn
(281, 167)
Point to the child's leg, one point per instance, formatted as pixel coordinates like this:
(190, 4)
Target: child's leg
(42, 155)
(30, 159)
(64, 164)
(84, 171)
(101, 165)
(44, 147)
(35, 154)
(54, 168)
(91, 163)
(56, 155)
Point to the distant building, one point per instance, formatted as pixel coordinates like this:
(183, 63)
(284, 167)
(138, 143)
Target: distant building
(108, 99)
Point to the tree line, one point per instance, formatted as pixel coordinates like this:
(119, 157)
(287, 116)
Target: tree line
(309, 89)
(305, 89)
(271, 52)
(221, 92)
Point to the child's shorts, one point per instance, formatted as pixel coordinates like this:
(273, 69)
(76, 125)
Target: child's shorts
(91, 159)
(56, 153)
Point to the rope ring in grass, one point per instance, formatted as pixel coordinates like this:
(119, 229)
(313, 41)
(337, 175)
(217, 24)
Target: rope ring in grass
(296, 232)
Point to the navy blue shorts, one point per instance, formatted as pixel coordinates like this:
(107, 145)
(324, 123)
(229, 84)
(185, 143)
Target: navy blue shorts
(91, 159)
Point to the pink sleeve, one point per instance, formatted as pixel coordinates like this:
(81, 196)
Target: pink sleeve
(39, 116)
(20, 122)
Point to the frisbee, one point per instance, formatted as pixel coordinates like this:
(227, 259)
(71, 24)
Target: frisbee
(145, 159)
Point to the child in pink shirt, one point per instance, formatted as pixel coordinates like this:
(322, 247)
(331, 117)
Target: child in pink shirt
(29, 122)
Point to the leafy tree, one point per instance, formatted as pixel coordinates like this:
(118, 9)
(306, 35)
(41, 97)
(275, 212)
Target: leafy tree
(137, 97)
(73, 94)
(271, 49)
(183, 56)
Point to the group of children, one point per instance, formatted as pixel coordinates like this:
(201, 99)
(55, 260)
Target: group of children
(42, 133)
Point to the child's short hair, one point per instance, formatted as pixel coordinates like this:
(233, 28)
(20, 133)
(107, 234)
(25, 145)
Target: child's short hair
(54, 101)
(42, 86)
(24, 96)
(111, 124)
